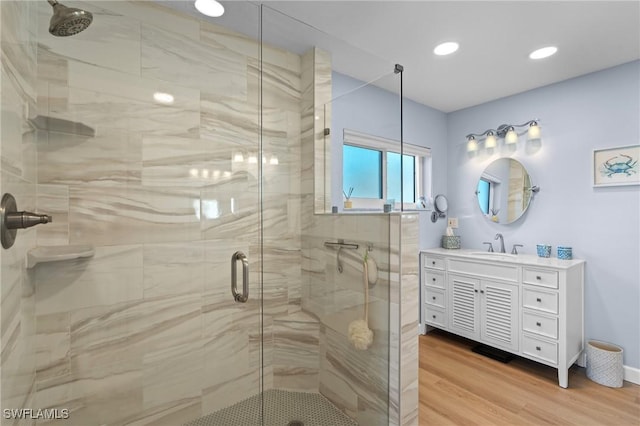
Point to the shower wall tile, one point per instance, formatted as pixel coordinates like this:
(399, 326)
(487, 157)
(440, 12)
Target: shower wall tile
(133, 214)
(112, 275)
(53, 200)
(231, 214)
(243, 44)
(113, 40)
(230, 122)
(173, 269)
(16, 155)
(18, 176)
(205, 65)
(173, 374)
(151, 12)
(106, 112)
(174, 161)
(19, 47)
(140, 89)
(112, 157)
(52, 69)
(296, 352)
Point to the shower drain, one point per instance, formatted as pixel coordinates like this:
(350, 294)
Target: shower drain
(295, 423)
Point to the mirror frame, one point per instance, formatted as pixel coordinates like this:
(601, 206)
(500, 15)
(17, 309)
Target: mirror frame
(527, 187)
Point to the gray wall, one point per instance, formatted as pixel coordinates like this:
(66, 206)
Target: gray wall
(594, 111)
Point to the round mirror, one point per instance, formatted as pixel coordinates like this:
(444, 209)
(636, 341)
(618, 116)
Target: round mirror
(504, 191)
(441, 204)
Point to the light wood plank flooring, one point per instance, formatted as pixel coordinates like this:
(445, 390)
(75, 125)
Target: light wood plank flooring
(459, 387)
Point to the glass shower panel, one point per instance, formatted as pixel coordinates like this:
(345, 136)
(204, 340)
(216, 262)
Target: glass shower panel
(324, 364)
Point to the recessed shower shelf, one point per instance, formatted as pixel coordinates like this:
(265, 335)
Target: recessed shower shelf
(47, 254)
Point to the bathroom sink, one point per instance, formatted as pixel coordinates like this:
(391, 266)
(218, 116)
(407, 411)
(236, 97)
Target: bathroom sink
(494, 255)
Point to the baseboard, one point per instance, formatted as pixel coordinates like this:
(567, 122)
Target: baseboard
(632, 374)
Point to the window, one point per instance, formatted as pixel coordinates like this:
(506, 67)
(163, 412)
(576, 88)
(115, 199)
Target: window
(372, 167)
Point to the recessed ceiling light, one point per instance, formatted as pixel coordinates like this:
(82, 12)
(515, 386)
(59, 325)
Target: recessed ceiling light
(446, 48)
(163, 98)
(210, 8)
(544, 52)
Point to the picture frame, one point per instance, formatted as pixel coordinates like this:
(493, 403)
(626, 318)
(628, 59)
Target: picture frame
(619, 166)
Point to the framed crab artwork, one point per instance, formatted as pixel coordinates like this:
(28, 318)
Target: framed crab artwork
(616, 166)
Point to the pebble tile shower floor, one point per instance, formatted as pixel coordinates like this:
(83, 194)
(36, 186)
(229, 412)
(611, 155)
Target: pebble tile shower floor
(280, 409)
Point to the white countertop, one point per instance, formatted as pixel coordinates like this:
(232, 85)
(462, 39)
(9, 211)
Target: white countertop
(520, 259)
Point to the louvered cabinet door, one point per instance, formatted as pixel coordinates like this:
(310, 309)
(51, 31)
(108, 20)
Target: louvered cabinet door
(464, 306)
(499, 314)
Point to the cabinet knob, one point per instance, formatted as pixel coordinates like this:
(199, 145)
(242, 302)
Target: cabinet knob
(434, 298)
(538, 277)
(538, 348)
(433, 279)
(538, 299)
(433, 262)
(476, 290)
(482, 291)
(434, 317)
(538, 324)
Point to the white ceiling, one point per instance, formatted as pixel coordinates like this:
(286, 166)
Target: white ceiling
(495, 40)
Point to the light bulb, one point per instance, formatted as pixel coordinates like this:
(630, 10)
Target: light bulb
(472, 144)
(273, 160)
(253, 159)
(534, 131)
(511, 137)
(490, 142)
(209, 8)
(238, 157)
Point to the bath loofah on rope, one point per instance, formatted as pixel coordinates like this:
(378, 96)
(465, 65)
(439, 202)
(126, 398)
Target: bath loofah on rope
(360, 335)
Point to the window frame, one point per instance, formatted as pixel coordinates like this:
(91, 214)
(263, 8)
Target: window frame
(422, 167)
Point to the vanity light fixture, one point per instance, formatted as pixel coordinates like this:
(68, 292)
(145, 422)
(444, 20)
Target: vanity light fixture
(506, 131)
(209, 8)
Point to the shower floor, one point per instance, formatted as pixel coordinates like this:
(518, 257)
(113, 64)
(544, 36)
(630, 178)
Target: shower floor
(280, 408)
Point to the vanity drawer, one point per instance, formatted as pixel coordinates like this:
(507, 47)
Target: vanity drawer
(492, 270)
(434, 262)
(433, 278)
(434, 296)
(540, 277)
(538, 324)
(540, 300)
(541, 349)
(435, 317)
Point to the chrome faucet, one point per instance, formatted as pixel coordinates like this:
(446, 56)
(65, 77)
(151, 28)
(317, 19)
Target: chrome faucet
(501, 238)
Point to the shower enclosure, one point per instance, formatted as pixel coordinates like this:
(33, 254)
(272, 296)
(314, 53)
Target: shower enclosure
(190, 154)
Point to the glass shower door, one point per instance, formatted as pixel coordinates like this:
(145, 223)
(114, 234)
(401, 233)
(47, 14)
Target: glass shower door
(165, 188)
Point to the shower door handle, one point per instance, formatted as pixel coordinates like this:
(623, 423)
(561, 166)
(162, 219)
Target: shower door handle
(244, 296)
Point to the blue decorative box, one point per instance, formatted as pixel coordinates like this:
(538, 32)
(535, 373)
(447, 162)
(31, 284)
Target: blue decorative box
(565, 253)
(544, 250)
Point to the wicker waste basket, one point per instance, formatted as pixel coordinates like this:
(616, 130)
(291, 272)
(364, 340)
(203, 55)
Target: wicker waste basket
(604, 363)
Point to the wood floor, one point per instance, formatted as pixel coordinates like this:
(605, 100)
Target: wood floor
(459, 387)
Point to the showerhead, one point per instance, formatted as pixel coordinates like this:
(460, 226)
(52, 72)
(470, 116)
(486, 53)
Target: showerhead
(68, 21)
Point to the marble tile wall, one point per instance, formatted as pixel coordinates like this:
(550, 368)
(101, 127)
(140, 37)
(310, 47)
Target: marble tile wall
(146, 332)
(18, 177)
(354, 380)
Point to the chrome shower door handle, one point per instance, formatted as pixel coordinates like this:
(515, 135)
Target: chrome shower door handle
(244, 296)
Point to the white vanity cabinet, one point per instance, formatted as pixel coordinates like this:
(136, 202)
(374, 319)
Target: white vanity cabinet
(526, 305)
